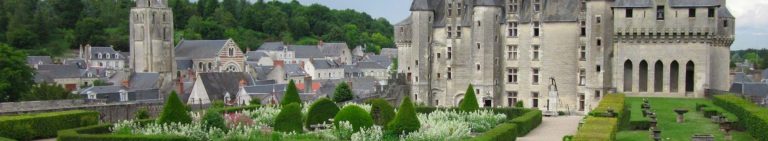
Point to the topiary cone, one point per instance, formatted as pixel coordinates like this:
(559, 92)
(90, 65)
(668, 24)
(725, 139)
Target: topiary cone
(405, 121)
(174, 111)
(291, 95)
(469, 103)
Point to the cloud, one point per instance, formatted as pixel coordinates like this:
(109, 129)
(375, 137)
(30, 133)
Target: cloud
(749, 13)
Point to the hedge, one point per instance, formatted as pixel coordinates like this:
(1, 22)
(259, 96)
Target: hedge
(642, 124)
(355, 115)
(752, 117)
(597, 129)
(381, 111)
(289, 119)
(44, 125)
(615, 102)
(527, 122)
(102, 133)
(503, 132)
(320, 112)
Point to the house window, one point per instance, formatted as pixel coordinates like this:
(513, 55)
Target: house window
(512, 31)
(449, 73)
(458, 31)
(711, 12)
(692, 12)
(513, 6)
(231, 52)
(449, 53)
(660, 13)
(512, 52)
(582, 77)
(511, 98)
(581, 102)
(536, 26)
(597, 94)
(535, 77)
(582, 53)
(597, 69)
(123, 95)
(449, 32)
(598, 19)
(535, 51)
(512, 75)
(536, 5)
(535, 101)
(628, 13)
(583, 29)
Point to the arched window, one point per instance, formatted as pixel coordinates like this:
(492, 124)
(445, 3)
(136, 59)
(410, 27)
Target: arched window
(231, 52)
(210, 66)
(674, 76)
(108, 56)
(200, 66)
(658, 76)
(628, 76)
(98, 56)
(643, 76)
(689, 76)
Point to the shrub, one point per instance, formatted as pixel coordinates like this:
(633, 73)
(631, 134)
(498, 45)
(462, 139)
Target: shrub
(597, 129)
(611, 101)
(286, 120)
(709, 112)
(381, 111)
(254, 101)
(405, 121)
(101, 133)
(44, 125)
(519, 104)
(343, 93)
(642, 124)
(320, 112)
(213, 119)
(174, 111)
(142, 113)
(699, 106)
(469, 103)
(291, 95)
(218, 104)
(355, 115)
(751, 116)
(568, 138)
(503, 132)
(527, 122)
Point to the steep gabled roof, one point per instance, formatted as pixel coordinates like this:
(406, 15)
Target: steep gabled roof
(38, 60)
(334, 49)
(305, 51)
(272, 46)
(196, 49)
(325, 64)
(217, 84)
(144, 81)
(724, 12)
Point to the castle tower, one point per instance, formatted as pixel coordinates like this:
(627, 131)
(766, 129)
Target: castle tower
(151, 40)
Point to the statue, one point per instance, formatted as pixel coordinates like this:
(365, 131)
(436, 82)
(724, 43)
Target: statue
(552, 101)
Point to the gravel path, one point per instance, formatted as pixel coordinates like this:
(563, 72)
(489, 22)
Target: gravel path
(553, 129)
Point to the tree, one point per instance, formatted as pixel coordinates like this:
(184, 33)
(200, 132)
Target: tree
(174, 111)
(100, 83)
(254, 101)
(343, 93)
(17, 77)
(90, 31)
(213, 119)
(291, 95)
(405, 121)
(286, 120)
(393, 70)
(320, 112)
(47, 91)
(469, 103)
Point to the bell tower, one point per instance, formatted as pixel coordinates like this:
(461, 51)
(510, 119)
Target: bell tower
(151, 40)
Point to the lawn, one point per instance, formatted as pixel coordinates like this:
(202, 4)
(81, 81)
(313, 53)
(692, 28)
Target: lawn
(695, 122)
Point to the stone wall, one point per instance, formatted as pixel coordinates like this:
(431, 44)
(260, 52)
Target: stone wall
(111, 113)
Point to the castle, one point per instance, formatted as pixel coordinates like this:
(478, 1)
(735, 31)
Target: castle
(151, 41)
(510, 49)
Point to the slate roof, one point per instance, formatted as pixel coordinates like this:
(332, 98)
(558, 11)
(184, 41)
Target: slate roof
(196, 49)
(753, 89)
(390, 52)
(370, 65)
(325, 64)
(218, 83)
(114, 55)
(273, 46)
(724, 12)
(333, 49)
(382, 60)
(60, 71)
(740, 77)
(560, 10)
(36, 60)
(693, 3)
(262, 71)
(489, 2)
(78, 62)
(102, 89)
(255, 55)
(294, 70)
(184, 64)
(351, 69)
(277, 88)
(633, 3)
(305, 51)
(144, 81)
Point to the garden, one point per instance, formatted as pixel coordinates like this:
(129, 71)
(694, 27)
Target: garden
(724, 117)
(322, 119)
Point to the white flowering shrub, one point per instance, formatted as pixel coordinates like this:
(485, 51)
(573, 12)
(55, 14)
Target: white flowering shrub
(344, 130)
(263, 115)
(374, 133)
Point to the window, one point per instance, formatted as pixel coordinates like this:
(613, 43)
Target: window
(725, 23)
(438, 55)
(449, 53)
(417, 62)
(99, 56)
(583, 6)
(123, 95)
(478, 67)
(535, 50)
(597, 94)
(711, 12)
(536, 5)
(512, 29)
(438, 75)
(108, 56)
(511, 98)
(660, 13)
(449, 32)
(692, 12)
(597, 69)
(449, 73)
(512, 75)
(513, 6)
(231, 52)
(535, 78)
(512, 52)
(628, 13)
(458, 32)
(477, 91)
(536, 26)
(478, 45)
(449, 9)
(598, 19)
(478, 23)
(535, 101)
(582, 77)
(582, 53)
(583, 28)
(599, 42)
(581, 102)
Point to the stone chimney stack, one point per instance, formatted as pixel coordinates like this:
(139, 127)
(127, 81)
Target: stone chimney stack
(126, 84)
(308, 84)
(180, 84)
(243, 83)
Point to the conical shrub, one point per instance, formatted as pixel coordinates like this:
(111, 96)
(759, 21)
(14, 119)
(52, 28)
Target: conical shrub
(469, 103)
(174, 111)
(289, 119)
(381, 111)
(405, 120)
(358, 117)
(291, 95)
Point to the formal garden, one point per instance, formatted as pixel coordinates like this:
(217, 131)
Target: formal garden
(723, 117)
(322, 119)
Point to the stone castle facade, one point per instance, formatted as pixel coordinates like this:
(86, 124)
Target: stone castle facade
(510, 49)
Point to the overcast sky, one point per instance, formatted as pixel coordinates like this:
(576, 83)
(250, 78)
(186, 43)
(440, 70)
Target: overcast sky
(751, 16)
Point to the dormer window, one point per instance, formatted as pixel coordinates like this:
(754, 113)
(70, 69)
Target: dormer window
(98, 56)
(692, 12)
(711, 12)
(108, 56)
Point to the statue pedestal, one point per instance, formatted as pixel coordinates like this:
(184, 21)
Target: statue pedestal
(552, 104)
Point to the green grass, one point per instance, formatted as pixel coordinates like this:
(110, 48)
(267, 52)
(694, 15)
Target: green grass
(695, 122)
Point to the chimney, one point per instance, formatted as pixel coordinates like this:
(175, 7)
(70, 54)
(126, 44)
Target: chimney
(307, 84)
(81, 51)
(180, 84)
(126, 84)
(320, 44)
(243, 83)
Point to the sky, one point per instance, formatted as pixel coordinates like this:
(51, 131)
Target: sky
(751, 16)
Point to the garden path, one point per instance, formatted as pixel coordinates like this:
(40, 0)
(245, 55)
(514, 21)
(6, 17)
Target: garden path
(553, 129)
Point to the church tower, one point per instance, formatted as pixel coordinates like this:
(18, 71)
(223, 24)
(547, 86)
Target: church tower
(151, 40)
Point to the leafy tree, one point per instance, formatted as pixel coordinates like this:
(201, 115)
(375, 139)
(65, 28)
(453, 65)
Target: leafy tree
(320, 112)
(17, 77)
(469, 103)
(343, 93)
(753, 58)
(355, 115)
(286, 120)
(174, 111)
(291, 95)
(89, 30)
(381, 111)
(47, 91)
(405, 121)
(213, 119)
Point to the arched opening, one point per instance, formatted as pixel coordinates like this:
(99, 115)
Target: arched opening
(689, 74)
(628, 76)
(674, 75)
(643, 76)
(658, 76)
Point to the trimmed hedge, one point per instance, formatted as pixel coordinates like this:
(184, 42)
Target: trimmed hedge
(469, 102)
(643, 124)
(709, 112)
(752, 117)
(320, 112)
(597, 129)
(381, 111)
(174, 111)
(44, 125)
(405, 121)
(527, 122)
(102, 133)
(611, 101)
(503, 132)
(289, 119)
(358, 117)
